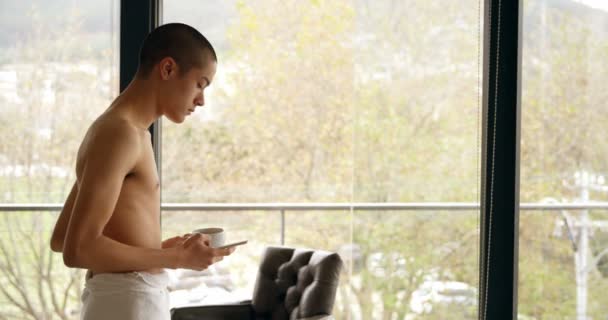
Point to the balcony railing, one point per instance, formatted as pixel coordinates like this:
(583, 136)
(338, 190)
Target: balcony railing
(339, 206)
(329, 206)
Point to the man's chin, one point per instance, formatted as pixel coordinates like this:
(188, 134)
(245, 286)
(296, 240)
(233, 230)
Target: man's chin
(176, 119)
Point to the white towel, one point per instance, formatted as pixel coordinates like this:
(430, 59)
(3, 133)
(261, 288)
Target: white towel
(126, 296)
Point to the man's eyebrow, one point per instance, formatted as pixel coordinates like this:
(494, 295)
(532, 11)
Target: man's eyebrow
(206, 79)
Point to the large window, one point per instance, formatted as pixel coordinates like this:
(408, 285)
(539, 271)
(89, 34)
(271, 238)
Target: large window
(315, 102)
(342, 102)
(563, 264)
(58, 71)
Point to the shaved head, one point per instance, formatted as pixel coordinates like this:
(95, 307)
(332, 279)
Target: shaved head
(184, 44)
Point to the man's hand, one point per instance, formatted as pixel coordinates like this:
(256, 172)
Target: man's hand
(176, 241)
(194, 253)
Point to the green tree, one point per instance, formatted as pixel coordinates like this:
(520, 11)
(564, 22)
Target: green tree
(313, 108)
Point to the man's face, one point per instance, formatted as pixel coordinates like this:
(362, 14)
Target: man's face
(184, 92)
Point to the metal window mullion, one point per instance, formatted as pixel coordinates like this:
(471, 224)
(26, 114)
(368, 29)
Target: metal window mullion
(500, 160)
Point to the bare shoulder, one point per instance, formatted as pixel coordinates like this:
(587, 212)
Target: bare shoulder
(110, 137)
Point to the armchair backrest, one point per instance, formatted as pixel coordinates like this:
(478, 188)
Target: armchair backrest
(296, 283)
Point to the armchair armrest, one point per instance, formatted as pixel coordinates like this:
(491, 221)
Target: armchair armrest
(233, 311)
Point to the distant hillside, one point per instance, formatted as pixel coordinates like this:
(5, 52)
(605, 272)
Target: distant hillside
(533, 13)
(210, 16)
(15, 19)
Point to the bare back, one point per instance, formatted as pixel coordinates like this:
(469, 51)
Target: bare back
(135, 219)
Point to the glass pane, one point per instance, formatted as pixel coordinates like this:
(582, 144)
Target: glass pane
(563, 152)
(345, 101)
(56, 76)
(273, 129)
(419, 265)
(417, 140)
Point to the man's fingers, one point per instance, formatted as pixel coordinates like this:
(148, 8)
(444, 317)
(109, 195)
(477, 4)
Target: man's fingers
(172, 242)
(225, 251)
(195, 237)
(172, 239)
(205, 238)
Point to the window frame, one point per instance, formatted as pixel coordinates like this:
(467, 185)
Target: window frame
(501, 118)
(499, 214)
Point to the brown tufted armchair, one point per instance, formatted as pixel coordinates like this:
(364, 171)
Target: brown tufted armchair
(291, 284)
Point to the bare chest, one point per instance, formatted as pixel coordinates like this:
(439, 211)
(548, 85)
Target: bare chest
(143, 178)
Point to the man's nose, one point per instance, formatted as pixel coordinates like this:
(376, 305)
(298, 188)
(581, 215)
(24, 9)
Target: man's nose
(199, 101)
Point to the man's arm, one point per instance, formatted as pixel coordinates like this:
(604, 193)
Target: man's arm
(62, 221)
(111, 156)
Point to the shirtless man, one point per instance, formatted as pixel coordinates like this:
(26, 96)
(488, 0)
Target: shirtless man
(110, 223)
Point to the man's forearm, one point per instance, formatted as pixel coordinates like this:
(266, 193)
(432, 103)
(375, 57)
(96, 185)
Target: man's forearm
(108, 255)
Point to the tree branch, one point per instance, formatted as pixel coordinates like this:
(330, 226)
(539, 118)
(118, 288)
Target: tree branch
(13, 278)
(67, 289)
(60, 311)
(13, 300)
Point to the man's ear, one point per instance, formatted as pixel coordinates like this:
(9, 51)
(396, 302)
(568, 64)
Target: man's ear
(168, 68)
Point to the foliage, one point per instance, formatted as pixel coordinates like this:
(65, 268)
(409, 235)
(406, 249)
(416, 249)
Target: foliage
(327, 101)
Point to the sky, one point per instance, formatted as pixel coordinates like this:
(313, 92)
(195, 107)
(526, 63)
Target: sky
(598, 4)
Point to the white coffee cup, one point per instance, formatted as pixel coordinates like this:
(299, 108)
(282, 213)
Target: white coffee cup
(217, 236)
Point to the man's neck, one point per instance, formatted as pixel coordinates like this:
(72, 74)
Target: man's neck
(139, 102)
